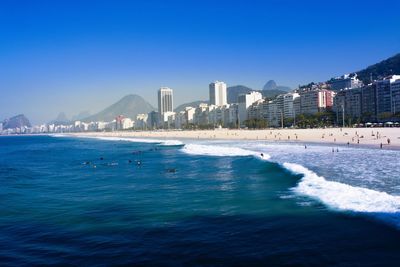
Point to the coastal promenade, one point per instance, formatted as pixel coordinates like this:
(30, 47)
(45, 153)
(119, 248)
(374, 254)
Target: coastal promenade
(385, 138)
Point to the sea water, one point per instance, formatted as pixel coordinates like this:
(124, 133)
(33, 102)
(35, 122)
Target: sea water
(125, 201)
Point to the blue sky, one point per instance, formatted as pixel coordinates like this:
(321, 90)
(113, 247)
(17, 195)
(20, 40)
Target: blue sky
(73, 56)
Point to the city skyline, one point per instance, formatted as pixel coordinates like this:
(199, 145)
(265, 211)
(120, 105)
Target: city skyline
(66, 57)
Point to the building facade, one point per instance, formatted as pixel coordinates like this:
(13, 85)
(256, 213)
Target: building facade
(218, 93)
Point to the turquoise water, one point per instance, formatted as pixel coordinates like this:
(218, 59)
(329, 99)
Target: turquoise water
(84, 201)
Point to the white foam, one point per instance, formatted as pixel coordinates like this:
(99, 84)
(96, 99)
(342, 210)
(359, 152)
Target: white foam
(221, 151)
(172, 143)
(58, 135)
(341, 196)
(135, 140)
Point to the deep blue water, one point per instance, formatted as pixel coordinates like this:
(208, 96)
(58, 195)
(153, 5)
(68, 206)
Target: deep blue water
(174, 209)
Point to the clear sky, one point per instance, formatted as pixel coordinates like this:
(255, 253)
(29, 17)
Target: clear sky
(75, 55)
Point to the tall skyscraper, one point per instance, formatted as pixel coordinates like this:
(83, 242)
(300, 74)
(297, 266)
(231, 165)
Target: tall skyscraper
(165, 100)
(218, 95)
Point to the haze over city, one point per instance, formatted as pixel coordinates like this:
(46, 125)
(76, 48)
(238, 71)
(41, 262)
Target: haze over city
(63, 56)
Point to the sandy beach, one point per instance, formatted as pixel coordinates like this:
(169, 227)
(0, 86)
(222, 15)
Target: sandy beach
(372, 137)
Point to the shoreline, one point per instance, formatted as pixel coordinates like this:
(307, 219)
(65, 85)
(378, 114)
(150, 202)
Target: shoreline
(353, 137)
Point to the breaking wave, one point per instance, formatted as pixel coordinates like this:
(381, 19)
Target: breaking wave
(221, 151)
(343, 197)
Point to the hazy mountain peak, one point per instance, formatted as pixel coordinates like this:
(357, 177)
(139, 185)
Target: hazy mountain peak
(128, 106)
(18, 121)
(270, 85)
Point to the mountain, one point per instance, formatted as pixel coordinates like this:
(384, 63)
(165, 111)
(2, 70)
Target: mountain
(61, 119)
(18, 121)
(193, 104)
(81, 115)
(380, 70)
(272, 93)
(128, 106)
(234, 91)
(271, 85)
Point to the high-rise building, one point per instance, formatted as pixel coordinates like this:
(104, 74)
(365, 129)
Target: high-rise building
(368, 104)
(345, 82)
(289, 110)
(383, 97)
(395, 88)
(218, 95)
(315, 101)
(165, 101)
(245, 101)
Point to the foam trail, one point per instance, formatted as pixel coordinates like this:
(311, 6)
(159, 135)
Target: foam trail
(221, 151)
(341, 196)
(135, 140)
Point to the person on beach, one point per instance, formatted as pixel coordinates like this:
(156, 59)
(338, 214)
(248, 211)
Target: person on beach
(381, 145)
(388, 141)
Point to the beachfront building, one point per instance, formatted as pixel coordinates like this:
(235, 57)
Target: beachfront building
(165, 104)
(289, 108)
(255, 110)
(218, 94)
(244, 102)
(141, 121)
(189, 114)
(216, 115)
(201, 115)
(153, 120)
(231, 115)
(127, 123)
(274, 113)
(395, 91)
(345, 82)
(383, 97)
(349, 101)
(180, 119)
(314, 101)
(167, 120)
(368, 102)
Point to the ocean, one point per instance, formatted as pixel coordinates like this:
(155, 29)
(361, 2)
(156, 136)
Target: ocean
(143, 202)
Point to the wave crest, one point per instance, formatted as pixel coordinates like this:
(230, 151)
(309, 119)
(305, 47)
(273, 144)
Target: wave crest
(221, 151)
(342, 196)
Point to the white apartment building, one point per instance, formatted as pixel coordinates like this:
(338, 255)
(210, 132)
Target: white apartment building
(218, 94)
(165, 102)
(289, 110)
(244, 102)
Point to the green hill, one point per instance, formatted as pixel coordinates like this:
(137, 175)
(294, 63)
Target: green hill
(380, 70)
